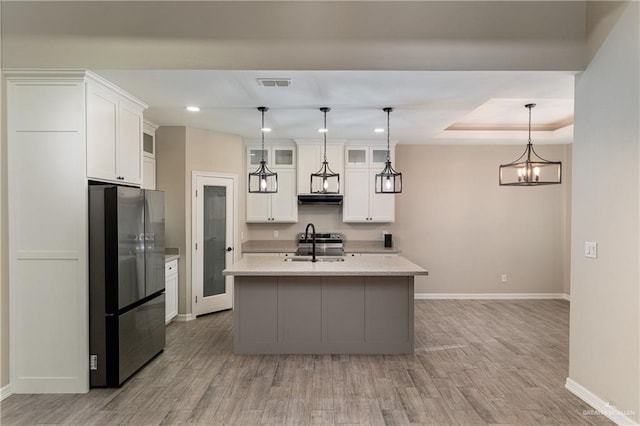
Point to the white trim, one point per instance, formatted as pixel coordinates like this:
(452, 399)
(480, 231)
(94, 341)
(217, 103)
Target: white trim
(421, 296)
(184, 317)
(5, 392)
(600, 405)
(566, 297)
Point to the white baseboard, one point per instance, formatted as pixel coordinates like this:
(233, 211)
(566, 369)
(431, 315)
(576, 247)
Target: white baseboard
(5, 391)
(184, 317)
(601, 407)
(566, 297)
(492, 296)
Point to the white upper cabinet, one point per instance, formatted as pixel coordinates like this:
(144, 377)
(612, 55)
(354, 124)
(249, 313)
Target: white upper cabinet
(310, 157)
(281, 206)
(149, 139)
(114, 133)
(276, 157)
(361, 203)
(102, 116)
(366, 157)
(149, 155)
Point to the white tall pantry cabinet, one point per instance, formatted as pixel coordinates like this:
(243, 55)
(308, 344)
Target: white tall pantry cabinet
(54, 135)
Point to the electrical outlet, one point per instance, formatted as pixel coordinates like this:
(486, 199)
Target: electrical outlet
(275, 234)
(504, 278)
(591, 249)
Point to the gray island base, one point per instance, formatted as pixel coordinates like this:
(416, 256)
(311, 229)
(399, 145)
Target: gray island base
(359, 306)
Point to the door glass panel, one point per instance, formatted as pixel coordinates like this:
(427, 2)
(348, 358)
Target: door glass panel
(255, 155)
(284, 157)
(357, 156)
(215, 225)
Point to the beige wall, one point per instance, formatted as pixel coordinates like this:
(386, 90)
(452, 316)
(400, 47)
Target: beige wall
(181, 151)
(604, 352)
(4, 237)
(211, 152)
(432, 35)
(568, 187)
(170, 172)
(454, 220)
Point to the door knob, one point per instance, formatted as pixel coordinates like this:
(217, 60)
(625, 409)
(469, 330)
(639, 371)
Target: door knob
(229, 248)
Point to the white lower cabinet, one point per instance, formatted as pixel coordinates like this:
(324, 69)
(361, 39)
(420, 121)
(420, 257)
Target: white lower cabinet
(171, 290)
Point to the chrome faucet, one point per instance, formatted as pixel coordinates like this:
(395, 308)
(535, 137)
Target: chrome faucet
(313, 240)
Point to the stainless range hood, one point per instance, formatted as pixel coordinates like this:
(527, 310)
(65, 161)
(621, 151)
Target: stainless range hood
(320, 199)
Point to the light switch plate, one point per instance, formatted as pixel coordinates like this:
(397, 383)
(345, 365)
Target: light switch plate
(591, 249)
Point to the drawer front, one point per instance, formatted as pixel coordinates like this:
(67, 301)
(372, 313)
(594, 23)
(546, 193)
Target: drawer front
(171, 267)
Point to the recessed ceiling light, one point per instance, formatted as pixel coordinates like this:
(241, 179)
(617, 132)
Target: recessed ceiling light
(323, 130)
(193, 109)
(379, 130)
(266, 129)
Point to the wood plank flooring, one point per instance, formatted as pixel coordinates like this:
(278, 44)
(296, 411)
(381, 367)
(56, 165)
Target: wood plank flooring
(476, 362)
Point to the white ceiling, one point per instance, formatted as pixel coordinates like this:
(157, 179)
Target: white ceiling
(426, 103)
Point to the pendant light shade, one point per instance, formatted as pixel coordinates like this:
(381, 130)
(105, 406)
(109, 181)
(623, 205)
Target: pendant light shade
(388, 181)
(325, 180)
(263, 180)
(530, 169)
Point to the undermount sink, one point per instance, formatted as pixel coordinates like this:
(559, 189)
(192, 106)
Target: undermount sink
(318, 259)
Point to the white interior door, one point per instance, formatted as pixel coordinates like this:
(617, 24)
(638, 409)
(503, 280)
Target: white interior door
(214, 215)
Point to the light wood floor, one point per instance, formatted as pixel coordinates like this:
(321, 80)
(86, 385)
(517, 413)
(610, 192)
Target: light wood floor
(476, 362)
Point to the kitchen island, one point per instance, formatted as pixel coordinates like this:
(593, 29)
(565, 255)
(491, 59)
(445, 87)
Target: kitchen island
(351, 305)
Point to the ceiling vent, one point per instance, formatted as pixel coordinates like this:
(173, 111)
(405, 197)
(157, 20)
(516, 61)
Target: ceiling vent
(274, 82)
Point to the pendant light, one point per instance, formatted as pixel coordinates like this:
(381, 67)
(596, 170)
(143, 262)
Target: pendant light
(263, 180)
(534, 170)
(388, 181)
(325, 179)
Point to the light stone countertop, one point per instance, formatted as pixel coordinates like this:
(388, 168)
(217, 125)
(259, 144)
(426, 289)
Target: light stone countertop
(359, 266)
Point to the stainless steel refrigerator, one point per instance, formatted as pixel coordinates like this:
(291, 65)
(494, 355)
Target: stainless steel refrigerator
(126, 281)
